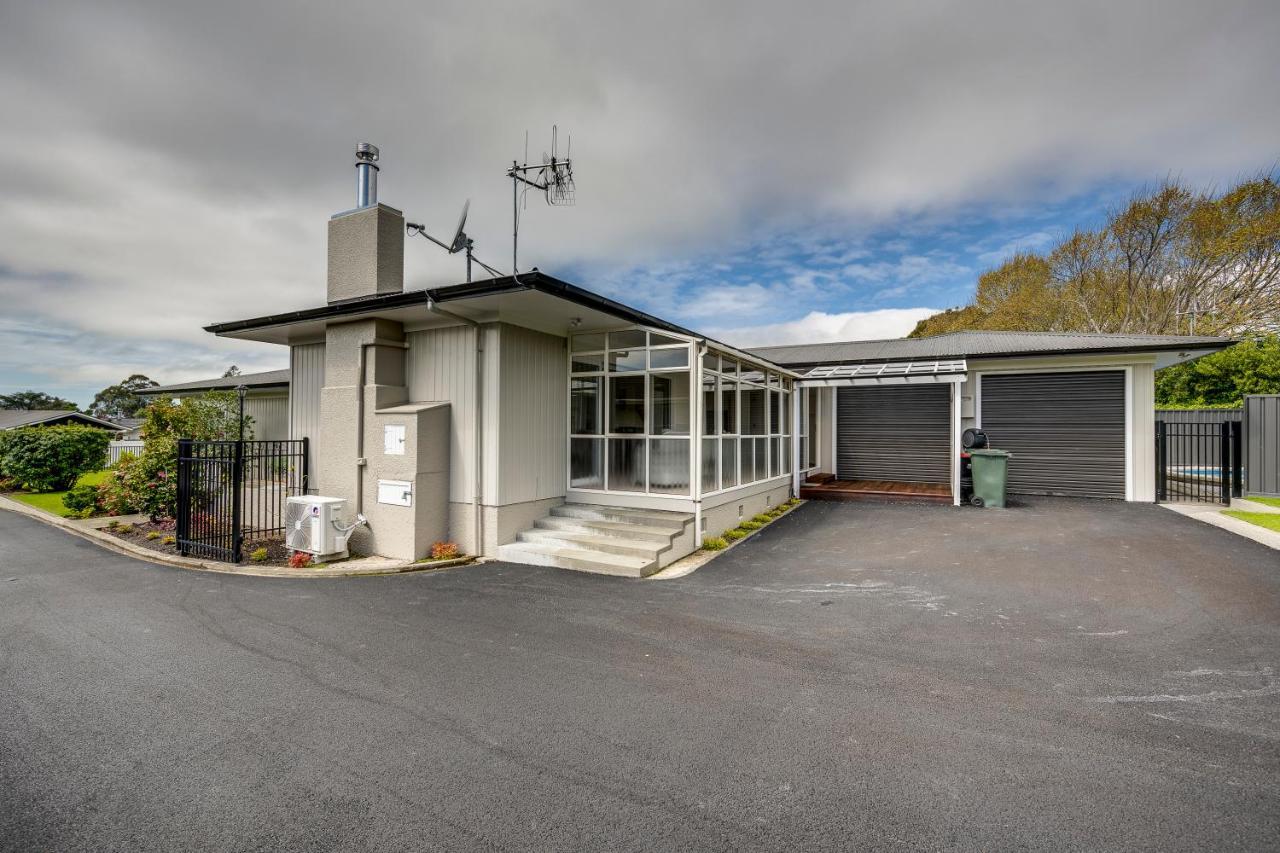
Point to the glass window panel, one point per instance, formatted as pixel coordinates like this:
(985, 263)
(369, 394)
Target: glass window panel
(657, 340)
(669, 403)
(663, 358)
(728, 365)
(626, 404)
(625, 361)
(729, 466)
(585, 405)
(804, 412)
(804, 450)
(587, 343)
(773, 380)
(710, 460)
(787, 414)
(588, 363)
(776, 465)
(711, 361)
(814, 426)
(586, 463)
(669, 466)
(728, 407)
(753, 411)
(749, 375)
(746, 460)
(710, 415)
(762, 458)
(775, 412)
(626, 464)
(626, 339)
(786, 455)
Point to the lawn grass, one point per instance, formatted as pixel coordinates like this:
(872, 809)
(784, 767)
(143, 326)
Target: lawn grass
(1275, 502)
(1269, 520)
(52, 501)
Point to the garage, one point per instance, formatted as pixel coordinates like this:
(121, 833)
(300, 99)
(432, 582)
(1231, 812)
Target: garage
(1066, 430)
(899, 433)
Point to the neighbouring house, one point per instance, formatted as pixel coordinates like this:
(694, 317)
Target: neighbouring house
(130, 428)
(16, 418)
(266, 401)
(526, 418)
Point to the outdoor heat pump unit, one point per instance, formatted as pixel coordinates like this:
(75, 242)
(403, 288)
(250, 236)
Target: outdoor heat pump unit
(314, 524)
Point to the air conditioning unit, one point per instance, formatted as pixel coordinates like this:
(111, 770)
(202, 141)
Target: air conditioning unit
(314, 524)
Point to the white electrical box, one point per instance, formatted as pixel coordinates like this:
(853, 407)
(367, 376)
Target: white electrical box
(393, 439)
(395, 492)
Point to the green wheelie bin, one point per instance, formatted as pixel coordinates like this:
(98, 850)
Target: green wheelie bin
(990, 474)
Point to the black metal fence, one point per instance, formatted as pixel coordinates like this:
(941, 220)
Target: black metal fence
(1199, 462)
(230, 492)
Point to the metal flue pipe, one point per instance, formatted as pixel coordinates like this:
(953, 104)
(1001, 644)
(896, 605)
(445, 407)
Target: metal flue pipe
(366, 174)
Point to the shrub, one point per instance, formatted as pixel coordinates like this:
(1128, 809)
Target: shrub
(714, 543)
(152, 535)
(169, 540)
(733, 535)
(49, 459)
(125, 529)
(112, 525)
(259, 555)
(81, 498)
(444, 550)
(763, 518)
(750, 525)
(299, 560)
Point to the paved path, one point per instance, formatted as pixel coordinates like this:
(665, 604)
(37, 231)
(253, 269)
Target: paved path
(1065, 676)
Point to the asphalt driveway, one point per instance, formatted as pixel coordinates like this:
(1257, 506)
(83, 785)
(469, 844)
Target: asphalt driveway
(1067, 675)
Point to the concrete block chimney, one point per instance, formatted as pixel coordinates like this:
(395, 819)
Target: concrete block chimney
(366, 245)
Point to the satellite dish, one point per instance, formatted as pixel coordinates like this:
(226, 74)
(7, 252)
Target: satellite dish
(459, 236)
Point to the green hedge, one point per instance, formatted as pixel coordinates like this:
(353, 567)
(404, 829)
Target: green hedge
(51, 459)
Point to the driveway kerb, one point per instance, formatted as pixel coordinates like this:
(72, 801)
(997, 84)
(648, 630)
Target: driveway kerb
(1212, 514)
(348, 568)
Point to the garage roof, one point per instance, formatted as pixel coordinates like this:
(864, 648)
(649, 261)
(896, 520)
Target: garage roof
(970, 344)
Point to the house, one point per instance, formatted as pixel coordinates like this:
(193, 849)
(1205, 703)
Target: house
(266, 401)
(527, 418)
(16, 418)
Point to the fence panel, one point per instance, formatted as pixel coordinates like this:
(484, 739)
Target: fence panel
(1198, 462)
(1186, 452)
(233, 492)
(1262, 444)
(116, 449)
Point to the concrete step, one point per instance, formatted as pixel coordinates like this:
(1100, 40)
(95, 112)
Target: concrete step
(645, 517)
(601, 527)
(607, 544)
(577, 559)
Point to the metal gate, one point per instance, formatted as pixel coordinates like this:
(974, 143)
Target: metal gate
(1198, 462)
(233, 492)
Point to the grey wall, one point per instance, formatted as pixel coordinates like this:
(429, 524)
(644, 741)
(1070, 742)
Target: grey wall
(306, 371)
(270, 413)
(1262, 444)
(441, 367)
(532, 416)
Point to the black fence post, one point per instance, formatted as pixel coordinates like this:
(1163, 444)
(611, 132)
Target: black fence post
(306, 466)
(1224, 462)
(1237, 458)
(237, 502)
(184, 495)
(1162, 459)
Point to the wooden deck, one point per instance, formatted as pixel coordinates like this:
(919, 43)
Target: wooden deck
(875, 490)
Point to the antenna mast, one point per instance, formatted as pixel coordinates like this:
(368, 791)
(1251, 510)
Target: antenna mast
(553, 178)
(460, 243)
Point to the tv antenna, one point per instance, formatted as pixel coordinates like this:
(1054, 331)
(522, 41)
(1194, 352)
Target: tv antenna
(553, 178)
(460, 242)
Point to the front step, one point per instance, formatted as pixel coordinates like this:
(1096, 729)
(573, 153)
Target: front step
(578, 559)
(608, 540)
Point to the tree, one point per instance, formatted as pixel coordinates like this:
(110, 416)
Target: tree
(1174, 260)
(30, 400)
(231, 371)
(1222, 379)
(122, 400)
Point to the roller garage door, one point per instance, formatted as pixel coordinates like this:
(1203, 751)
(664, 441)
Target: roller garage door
(1066, 431)
(894, 432)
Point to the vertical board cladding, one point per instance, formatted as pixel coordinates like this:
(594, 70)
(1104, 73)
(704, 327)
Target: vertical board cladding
(1262, 445)
(441, 367)
(270, 413)
(533, 416)
(306, 378)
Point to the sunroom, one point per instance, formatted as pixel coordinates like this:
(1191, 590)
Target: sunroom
(662, 421)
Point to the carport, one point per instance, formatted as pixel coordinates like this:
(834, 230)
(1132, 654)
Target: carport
(895, 430)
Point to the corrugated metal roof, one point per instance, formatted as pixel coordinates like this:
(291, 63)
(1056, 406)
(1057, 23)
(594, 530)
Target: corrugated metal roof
(14, 418)
(225, 383)
(968, 344)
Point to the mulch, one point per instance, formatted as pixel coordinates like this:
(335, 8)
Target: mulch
(142, 534)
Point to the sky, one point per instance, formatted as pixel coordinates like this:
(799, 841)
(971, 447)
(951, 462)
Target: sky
(761, 172)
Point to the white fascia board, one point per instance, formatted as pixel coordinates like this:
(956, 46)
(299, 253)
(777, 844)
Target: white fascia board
(922, 379)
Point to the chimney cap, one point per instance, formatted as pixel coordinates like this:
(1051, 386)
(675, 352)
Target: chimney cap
(366, 151)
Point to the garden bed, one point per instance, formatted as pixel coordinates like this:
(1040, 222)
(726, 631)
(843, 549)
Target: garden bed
(161, 536)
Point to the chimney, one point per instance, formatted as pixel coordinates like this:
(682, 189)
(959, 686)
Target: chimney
(366, 245)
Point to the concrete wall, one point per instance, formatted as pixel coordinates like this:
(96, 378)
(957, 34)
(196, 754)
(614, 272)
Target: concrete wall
(366, 253)
(723, 511)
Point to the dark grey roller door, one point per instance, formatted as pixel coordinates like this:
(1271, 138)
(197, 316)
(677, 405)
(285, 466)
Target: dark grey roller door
(1066, 431)
(894, 432)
